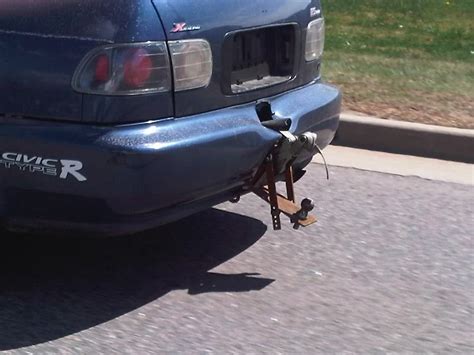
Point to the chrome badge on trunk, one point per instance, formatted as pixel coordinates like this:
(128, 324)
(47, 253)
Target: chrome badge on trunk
(184, 27)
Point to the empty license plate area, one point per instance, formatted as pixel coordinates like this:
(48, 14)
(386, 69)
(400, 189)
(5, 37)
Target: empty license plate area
(262, 57)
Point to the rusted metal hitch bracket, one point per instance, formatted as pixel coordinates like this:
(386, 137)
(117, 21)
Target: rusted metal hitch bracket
(299, 215)
(278, 166)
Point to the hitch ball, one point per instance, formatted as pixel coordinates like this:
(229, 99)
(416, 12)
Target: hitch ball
(307, 205)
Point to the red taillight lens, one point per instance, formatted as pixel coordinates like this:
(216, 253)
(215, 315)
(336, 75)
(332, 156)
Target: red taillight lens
(102, 68)
(125, 69)
(137, 68)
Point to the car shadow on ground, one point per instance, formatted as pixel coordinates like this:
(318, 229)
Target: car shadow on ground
(54, 287)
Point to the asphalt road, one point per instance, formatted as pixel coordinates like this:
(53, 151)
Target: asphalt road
(388, 268)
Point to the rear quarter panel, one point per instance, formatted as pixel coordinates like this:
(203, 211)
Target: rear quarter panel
(43, 41)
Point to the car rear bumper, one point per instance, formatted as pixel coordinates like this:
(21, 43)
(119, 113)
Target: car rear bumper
(143, 175)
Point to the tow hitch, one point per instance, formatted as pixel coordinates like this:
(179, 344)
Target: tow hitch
(299, 216)
(278, 167)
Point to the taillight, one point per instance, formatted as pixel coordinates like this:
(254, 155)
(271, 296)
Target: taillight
(192, 63)
(143, 68)
(315, 40)
(128, 69)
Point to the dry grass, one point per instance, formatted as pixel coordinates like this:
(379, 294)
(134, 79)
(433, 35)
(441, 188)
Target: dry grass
(404, 60)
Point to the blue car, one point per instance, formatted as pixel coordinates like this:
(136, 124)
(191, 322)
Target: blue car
(117, 116)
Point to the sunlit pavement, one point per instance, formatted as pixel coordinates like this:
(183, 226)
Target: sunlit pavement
(388, 268)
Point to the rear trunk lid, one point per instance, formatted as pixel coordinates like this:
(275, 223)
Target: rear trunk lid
(42, 43)
(258, 47)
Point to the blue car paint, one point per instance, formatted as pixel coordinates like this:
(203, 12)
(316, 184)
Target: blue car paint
(216, 20)
(43, 41)
(179, 158)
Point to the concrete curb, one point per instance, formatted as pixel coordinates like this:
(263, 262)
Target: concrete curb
(406, 138)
